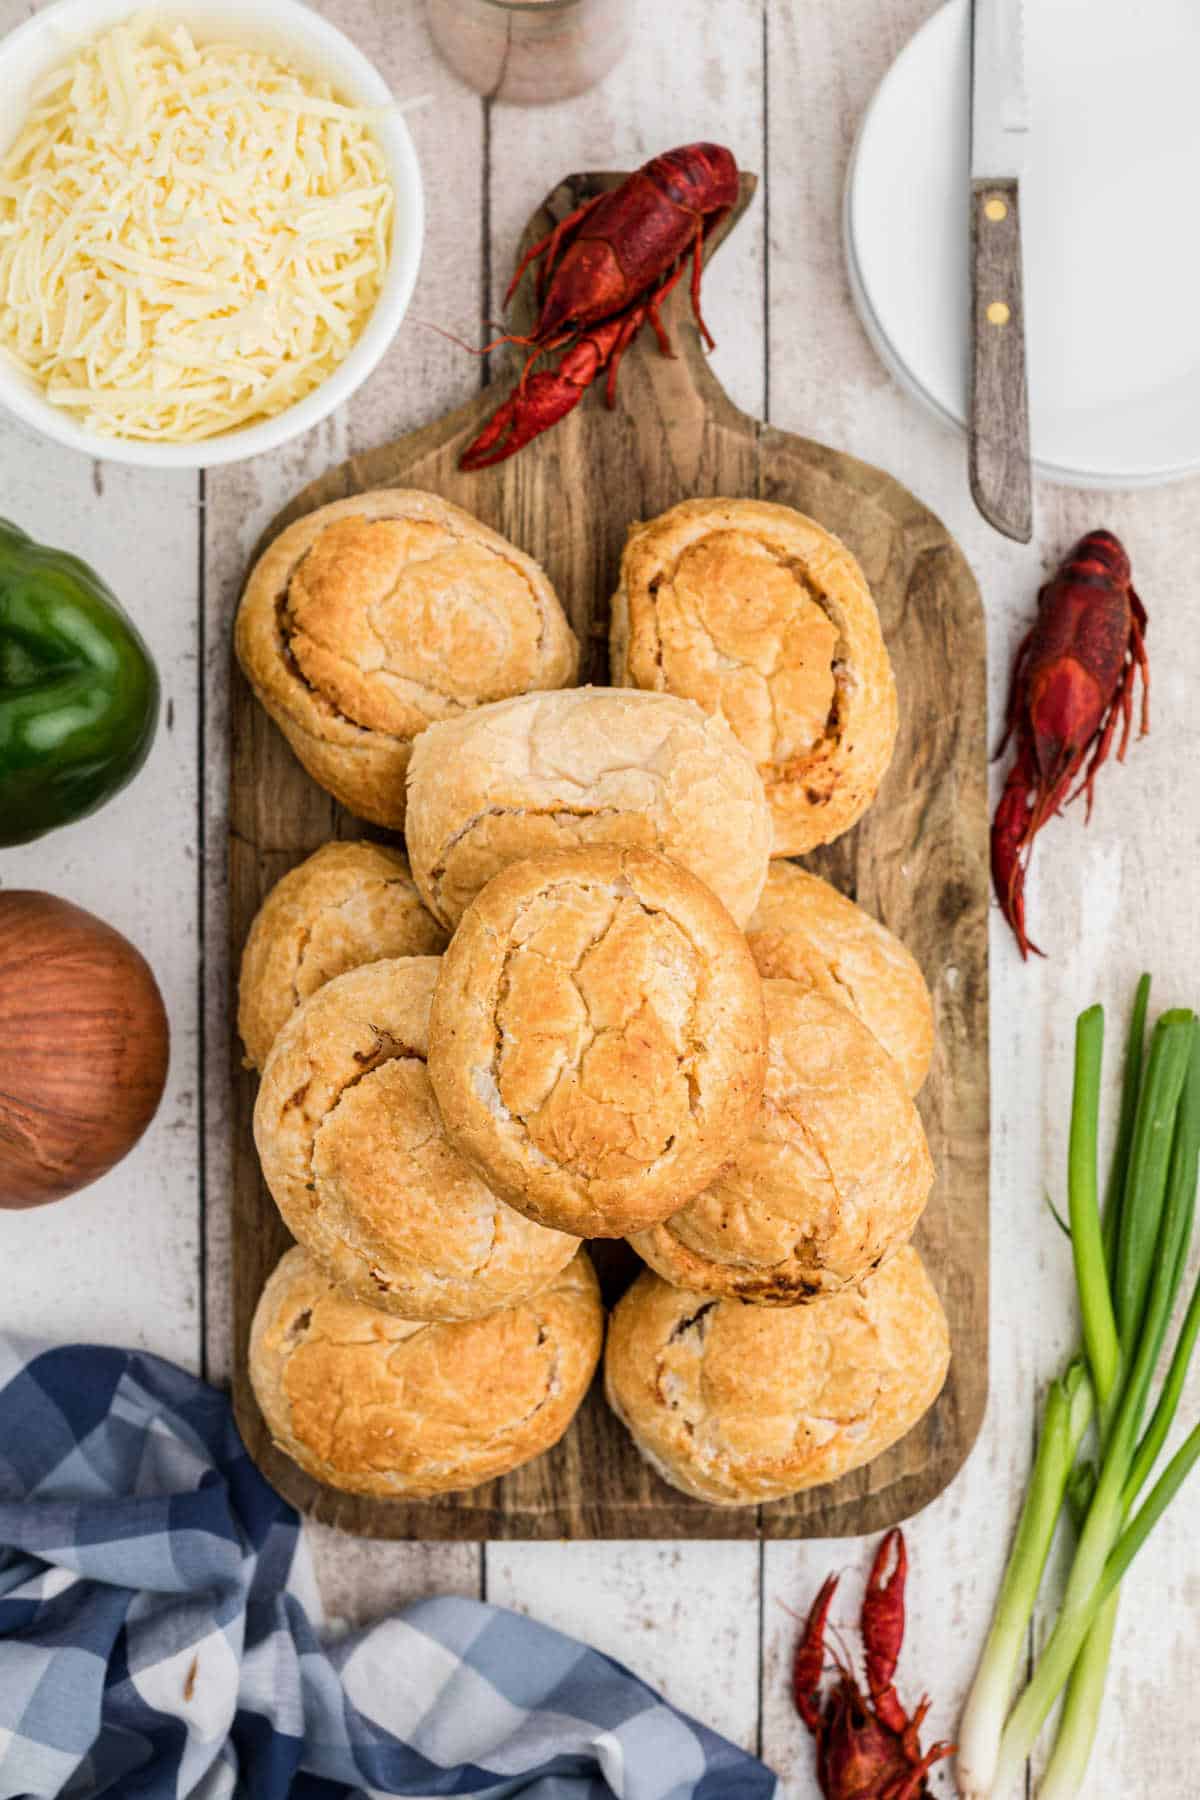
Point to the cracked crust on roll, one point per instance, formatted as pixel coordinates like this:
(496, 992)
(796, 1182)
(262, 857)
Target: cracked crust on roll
(378, 1405)
(804, 930)
(345, 905)
(367, 620)
(739, 1404)
(354, 1153)
(830, 1182)
(765, 618)
(597, 1039)
(569, 770)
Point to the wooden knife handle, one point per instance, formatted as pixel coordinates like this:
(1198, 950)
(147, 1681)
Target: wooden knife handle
(999, 419)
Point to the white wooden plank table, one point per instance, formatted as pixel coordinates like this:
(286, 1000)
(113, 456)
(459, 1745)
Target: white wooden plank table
(143, 1257)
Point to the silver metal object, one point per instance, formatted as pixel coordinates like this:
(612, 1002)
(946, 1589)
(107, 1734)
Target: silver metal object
(1000, 116)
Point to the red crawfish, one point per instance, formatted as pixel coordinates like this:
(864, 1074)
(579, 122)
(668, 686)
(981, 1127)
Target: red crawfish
(867, 1746)
(604, 271)
(1073, 679)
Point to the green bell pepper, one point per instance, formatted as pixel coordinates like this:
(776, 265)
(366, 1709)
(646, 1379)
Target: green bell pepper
(78, 690)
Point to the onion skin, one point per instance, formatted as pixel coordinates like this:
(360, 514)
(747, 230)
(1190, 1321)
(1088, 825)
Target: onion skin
(83, 1048)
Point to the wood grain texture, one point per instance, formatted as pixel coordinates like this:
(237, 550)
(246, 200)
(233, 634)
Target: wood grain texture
(61, 1275)
(998, 418)
(786, 87)
(918, 861)
(422, 375)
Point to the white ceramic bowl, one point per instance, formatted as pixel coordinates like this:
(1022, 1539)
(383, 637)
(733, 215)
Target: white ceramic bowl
(310, 43)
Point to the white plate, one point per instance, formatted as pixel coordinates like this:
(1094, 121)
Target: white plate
(1111, 248)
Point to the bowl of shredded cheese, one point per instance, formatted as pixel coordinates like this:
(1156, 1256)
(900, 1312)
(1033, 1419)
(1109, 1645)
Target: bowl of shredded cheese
(210, 225)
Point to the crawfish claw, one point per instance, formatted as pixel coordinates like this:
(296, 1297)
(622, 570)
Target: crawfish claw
(883, 1628)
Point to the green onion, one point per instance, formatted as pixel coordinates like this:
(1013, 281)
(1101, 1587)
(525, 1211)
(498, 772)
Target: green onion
(1148, 1515)
(1139, 1529)
(1087, 1240)
(1128, 1269)
(1064, 1773)
(1168, 1400)
(1146, 1177)
(1069, 1409)
(1131, 1081)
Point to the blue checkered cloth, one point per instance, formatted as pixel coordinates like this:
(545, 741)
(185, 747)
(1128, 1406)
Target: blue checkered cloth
(158, 1633)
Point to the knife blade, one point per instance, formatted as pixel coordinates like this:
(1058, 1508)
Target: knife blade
(998, 438)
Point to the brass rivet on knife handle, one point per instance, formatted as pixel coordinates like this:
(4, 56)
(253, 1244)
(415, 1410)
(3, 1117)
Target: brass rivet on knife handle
(999, 418)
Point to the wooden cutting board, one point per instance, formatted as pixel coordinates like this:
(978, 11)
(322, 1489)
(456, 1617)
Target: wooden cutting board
(918, 861)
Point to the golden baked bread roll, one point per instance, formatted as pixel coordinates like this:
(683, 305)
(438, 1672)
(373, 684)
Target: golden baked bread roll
(592, 766)
(344, 905)
(804, 930)
(832, 1179)
(597, 1039)
(737, 1404)
(762, 616)
(385, 1406)
(367, 619)
(354, 1153)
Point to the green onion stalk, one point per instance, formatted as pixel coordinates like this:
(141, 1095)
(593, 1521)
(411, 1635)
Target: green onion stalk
(1064, 1773)
(1129, 1264)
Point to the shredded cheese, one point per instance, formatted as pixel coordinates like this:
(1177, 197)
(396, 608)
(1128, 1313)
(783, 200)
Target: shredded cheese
(192, 236)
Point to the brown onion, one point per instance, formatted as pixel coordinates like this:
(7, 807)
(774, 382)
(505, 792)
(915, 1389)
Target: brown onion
(83, 1048)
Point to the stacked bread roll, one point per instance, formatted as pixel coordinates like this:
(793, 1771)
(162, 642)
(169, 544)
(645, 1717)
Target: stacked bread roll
(588, 1004)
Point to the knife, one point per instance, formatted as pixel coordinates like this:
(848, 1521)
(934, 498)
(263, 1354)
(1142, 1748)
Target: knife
(999, 412)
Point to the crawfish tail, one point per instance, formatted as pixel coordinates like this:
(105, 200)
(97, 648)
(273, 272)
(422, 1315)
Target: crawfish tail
(701, 178)
(1099, 553)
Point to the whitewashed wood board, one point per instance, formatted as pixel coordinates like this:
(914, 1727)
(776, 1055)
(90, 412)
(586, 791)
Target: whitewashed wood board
(143, 1257)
